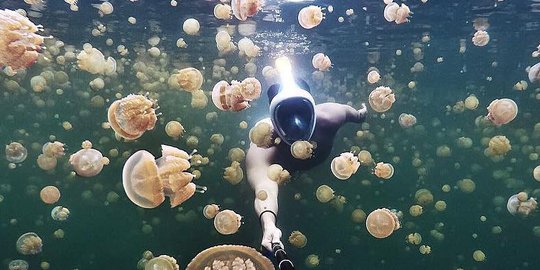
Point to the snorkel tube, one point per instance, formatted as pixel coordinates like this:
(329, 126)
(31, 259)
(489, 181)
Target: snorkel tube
(292, 109)
(284, 263)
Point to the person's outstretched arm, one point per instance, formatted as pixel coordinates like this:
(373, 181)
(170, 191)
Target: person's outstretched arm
(257, 162)
(335, 115)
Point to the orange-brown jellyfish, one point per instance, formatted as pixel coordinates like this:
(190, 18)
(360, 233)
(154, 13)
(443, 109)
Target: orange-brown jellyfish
(407, 120)
(344, 166)
(384, 170)
(131, 116)
(502, 111)
(480, 38)
(228, 97)
(381, 99)
(382, 222)
(230, 257)
(227, 222)
(19, 43)
(49, 194)
(521, 204)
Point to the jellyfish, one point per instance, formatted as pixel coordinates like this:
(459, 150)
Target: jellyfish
(250, 88)
(88, 162)
(49, 194)
(162, 262)
(233, 174)
(479, 256)
(502, 111)
(297, 239)
(365, 157)
(312, 261)
(199, 100)
(60, 213)
(310, 16)
(471, 102)
(210, 211)
(174, 129)
(16, 152)
(131, 116)
(92, 60)
(302, 149)
(191, 26)
(415, 210)
(534, 73)
(373, 76)
(19, 43)
(29, 244)
(381, 99)
(536, 173)
(46, 163)
(230, 257)
(423, 197)
(189, 79)
(223, 12)
(321, 62)
(520, 204)
(344, 166)
(228, 97)
(324, 193)
(498, 146)
(53, 149)
(227, 222)
(104, 8)
(382, 222)
(384, 170)
(262, 134)
(480, 38)
(18, 265)
(407, 120)
(390, 11)
(236, 154)
(398, 14)
(278, 174)
(242, 9)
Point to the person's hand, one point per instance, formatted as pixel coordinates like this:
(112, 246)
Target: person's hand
(271, 235)
(363, 109)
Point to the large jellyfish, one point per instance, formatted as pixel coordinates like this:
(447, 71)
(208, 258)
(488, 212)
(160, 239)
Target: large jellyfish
(230, 257)
(131, 116)
(344, 165)
(381, 99)
(382, 222)
(29, 244)
(502, 111)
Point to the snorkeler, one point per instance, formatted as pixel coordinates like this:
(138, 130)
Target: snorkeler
(294, 117)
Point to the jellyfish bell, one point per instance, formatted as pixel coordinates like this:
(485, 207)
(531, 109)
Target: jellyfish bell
(18, 265)
(390, 11)
(520, 204)
(381, 99)
(210, 211)
(324, 193)
(189, 79)
(373, 76)
(16, 152)
(242, 9)
(321, 62)
(229, 98)
(384, 170)
(227, 222)
(344, 166)
(310, 16)
(88, 162)
(298, 239)
(49, 194)
(141, 180)
(131, 116)
(302, 149)
(406, 120)
(250, 88)
(382, 222)
(29, 244)
(230, 257)
(534, 73)
(502, 111)
(162, 262)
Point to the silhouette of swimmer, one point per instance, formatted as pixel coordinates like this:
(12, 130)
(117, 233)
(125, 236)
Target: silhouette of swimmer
(294, 116)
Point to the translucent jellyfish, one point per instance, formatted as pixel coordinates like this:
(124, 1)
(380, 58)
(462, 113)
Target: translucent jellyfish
(297, 239)
(49, 194)
(228, 97)
(310, 16)
(390, 11)
(29, 244)
(163, 262)
(191, 26)
(92, 60)
(502, 111)
(398, 14)
(479, 256)
(233, 174)
(471, 102)
(147, 181)
(324, 193)
(373, 76)
(19, 43)
(223, 12)
(534, 73)
(242, 9)
(210, 211)
(174, 129)
(312, 261)
(414, 238)
(236, 154)
(199, 100)
(278, 174)
(88, 162)
(60, 213)
(230, 257)
(365, 157)
(227, 222)
(131, 116)
(344, 166)
(520, 204)
(480, 38)
(382, 222)
(18, 265)
(321, 62)
(53, 149)
(189, 79)
(384, 170)
(498, 146)
(262, 134)
(46, 162)
(250, 88)
(415, 210)
(423, 197)
(536, 173)
(381, 99)
(104, 8)
(15, 152)
(302, 149)
(358, 215)
(407, 120)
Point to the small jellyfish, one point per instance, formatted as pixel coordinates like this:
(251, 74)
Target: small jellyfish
(498, 146)
(471, 102)
(104, 8)
(236, 154)
(534, 73)
(302, 149)
(297, 239)
(520, 204)
(423, 197)
(60, 213)
(310, 16)
(189, 79)
(398, 14)
(536, 173)
(324, 193)
(174, 129)
(373, 76)
(16, 152)
(191, 26)
(88, 162)
(53, 149)
(321, 62)
(358, 215)
(242, 9)
(414, 238)
(162, 262)
(384, 170)
(312, 261)
(262, 134)
(382, 222)
(278, 174)
(365, 158)
(233, 174)
(502, 111)
(480, 38)
(210, 211)
(223, 12)
(250, 88)
(344, 166)
(29, 244)
(227, 222)
(381, 99)
(49, 194)
(131, 116)
(407, 120)
(18, 265)
(479, 256)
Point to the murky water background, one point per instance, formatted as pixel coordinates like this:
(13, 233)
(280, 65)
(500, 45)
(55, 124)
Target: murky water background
(103, 235)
